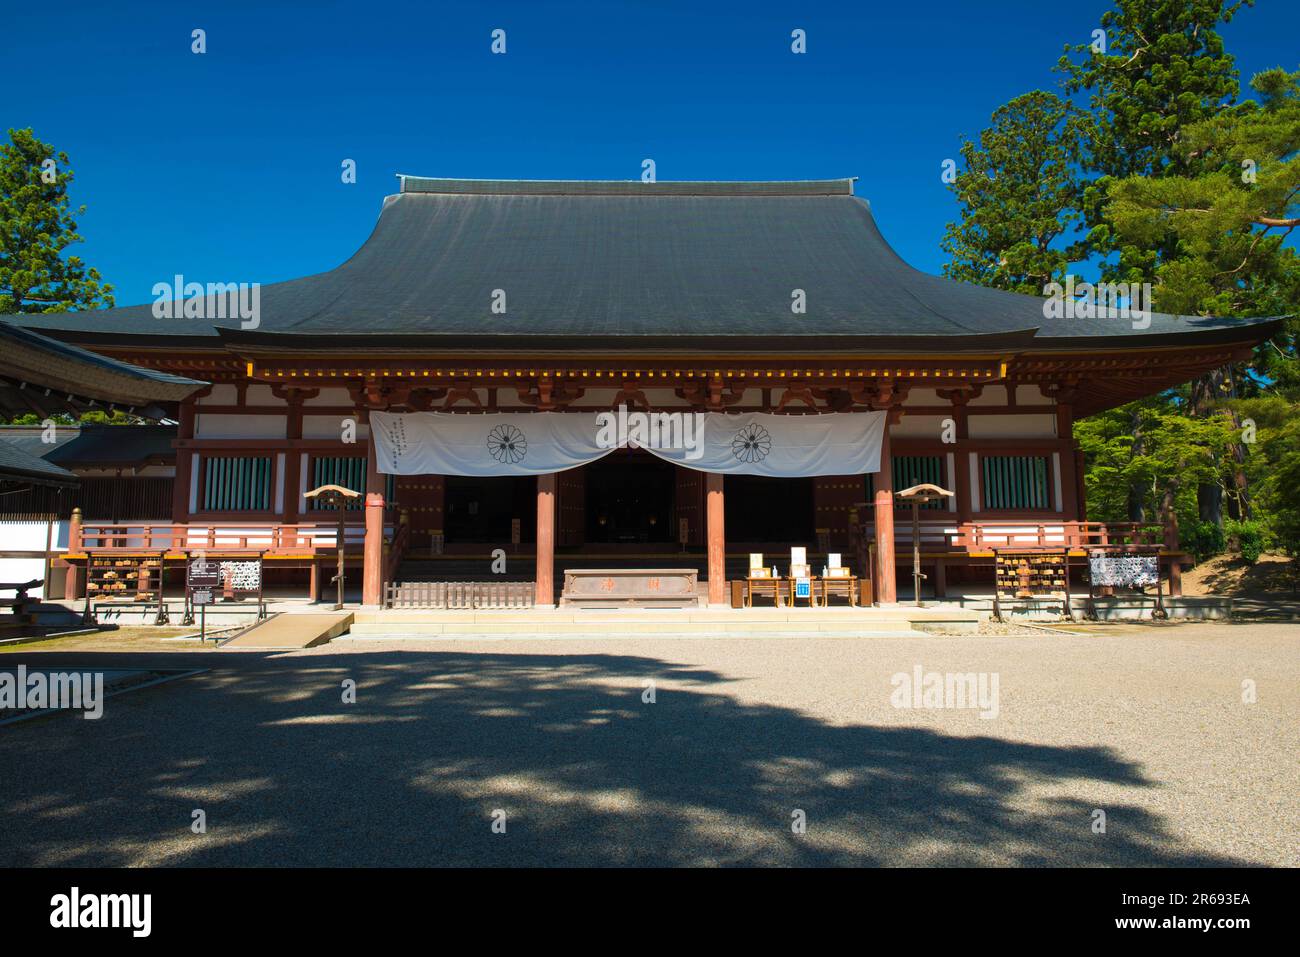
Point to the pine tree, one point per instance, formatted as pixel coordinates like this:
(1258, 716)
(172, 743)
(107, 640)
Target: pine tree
(36, 225)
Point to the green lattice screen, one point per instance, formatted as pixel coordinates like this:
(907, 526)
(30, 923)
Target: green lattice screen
(1015, 481)
(239, 483)
(912, 470)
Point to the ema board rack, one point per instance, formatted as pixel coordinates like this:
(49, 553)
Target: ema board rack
(117, 580)
(1020, 574)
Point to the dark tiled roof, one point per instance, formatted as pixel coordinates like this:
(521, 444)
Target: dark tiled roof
(43, 375)
(17, 464)
(601, 265)
(95, 446)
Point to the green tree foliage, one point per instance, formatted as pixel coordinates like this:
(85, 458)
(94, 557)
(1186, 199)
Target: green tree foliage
(36, 225)
(1149, 446)
(1163, 68)
(1230, 221)
(1019, 197)
(1274, 466)
(1179, 185)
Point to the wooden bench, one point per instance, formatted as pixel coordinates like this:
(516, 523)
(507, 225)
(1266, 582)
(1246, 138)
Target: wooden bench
(630, 587)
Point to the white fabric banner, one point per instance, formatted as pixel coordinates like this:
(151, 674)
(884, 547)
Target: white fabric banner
(512, 443)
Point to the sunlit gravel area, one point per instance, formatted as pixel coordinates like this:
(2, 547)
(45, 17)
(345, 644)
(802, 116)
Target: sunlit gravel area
(1111, 745)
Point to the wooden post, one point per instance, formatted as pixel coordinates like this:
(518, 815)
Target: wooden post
(71, 581)
(545, 574)
(717, 537)
(916, 551)
(184, 463)
(887, 587)
(372, 572)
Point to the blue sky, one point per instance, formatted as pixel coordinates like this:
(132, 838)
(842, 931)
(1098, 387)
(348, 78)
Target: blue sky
(225, 167)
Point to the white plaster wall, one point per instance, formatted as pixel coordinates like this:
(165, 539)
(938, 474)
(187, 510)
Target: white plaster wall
(239, 426)
(333, 397)
(918, 427)
(222, 394)
(1029, 426)
(259, 393)
(1031, 395)
(992, 395)
(328, 427)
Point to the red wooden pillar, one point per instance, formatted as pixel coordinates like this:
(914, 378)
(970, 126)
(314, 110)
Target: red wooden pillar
(1071, 512)
(184, 463)
(71, 581)
(545, 593)
(717, 538)
(887, 589)
(372, 571)
(293, 460)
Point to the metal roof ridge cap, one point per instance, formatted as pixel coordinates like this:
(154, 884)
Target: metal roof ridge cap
(843, 186)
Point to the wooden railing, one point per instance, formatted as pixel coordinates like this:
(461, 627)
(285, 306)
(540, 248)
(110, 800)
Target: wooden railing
(980, 536)
(394, 550)
(938, 535)
(270, 537)
(466, 595)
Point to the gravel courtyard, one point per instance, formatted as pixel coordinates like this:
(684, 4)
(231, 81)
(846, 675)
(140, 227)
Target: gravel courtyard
(1147, 725)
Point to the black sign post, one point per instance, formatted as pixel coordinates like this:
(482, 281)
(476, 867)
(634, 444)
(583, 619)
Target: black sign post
(201, 577)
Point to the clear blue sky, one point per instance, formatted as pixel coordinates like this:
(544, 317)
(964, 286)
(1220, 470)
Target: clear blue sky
(225, 167)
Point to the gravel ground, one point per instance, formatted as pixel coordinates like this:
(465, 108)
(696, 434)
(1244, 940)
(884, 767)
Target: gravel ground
(1144, 723)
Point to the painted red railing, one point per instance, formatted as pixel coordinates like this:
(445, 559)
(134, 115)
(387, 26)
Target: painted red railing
(979, 536)
(394, 550)
(269, 537)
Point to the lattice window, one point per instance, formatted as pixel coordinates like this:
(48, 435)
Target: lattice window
(348, 471)
(239, 483)
(912, 470)
(1016, 482)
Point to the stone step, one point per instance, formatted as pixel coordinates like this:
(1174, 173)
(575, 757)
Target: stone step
(463, 634)
(664, 616)
(633, 628)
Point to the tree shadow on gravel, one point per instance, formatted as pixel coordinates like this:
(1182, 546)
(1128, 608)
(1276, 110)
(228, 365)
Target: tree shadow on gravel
(586, 773)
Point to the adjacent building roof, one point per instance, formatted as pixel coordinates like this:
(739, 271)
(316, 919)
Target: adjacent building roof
(590, 265)
(17, 465)
(43, 375)
(90, 446)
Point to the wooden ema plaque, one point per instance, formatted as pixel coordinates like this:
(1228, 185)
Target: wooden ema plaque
(1028, 574)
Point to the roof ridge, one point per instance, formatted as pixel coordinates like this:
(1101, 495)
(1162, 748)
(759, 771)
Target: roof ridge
(619, 187)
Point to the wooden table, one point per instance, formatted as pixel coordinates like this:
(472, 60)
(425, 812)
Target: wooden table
(770, 586)
(846, 585)
(812, 590)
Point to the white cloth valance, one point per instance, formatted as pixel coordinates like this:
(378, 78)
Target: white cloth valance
(511, 443)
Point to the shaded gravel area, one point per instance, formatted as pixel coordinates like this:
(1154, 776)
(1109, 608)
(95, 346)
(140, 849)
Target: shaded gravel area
(1146, 724)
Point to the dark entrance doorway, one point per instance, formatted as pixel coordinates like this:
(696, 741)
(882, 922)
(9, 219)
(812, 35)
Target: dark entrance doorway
(630, 499)
(481, 509)
(762, 510)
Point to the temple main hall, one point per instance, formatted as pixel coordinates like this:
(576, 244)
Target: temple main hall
(771, 309)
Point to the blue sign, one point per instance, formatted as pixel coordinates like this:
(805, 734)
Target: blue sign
(802, 587)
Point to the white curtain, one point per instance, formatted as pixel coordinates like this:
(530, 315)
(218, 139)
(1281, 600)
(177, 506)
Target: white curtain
(509, 443)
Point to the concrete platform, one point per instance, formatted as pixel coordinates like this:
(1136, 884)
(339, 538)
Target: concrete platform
(659, 622)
